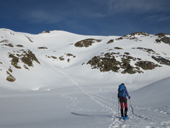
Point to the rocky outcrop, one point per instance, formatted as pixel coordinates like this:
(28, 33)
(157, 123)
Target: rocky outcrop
(146, 65)
(108, 62)
(161, 60)
(163, 37)
(86, 42)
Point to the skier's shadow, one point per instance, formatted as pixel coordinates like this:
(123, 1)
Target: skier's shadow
(78, 114)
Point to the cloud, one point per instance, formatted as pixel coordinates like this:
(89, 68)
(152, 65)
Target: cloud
(139, 6)
(67, 10)
(157, 18)
(42, 16)
(70, 10)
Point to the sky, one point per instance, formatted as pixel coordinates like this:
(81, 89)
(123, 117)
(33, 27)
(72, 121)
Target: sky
(86, 17)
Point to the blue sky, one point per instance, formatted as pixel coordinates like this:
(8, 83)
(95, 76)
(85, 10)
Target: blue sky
(86, 17)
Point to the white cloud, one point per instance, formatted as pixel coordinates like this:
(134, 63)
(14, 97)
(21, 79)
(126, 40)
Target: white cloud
(157, 18)
(139, 5)
(42, 16)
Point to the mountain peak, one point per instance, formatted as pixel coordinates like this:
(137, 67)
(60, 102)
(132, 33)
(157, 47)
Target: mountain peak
(36, 57)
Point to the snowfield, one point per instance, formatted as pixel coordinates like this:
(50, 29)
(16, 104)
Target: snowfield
(56, 93)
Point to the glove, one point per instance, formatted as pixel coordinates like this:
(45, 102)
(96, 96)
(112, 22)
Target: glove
(129, 97)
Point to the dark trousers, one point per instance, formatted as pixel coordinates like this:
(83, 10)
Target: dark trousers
(123, 104)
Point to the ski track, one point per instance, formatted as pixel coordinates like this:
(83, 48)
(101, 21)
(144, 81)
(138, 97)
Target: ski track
(142, 115)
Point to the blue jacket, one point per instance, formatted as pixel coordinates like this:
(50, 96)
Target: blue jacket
(127, 94)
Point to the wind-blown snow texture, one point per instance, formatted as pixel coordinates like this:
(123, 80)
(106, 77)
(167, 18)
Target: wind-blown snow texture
(68, 93)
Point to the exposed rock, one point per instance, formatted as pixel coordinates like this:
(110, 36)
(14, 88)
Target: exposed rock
(146, 49)
(42, 48)
(146, 65)
(29, 38)
(86, 42)
(120, 38)
(9, 45)
(132, 36)
(163, 37)
(10, 78)
(117, 48)
(14, 61)
(166, 40)
(46, 32)
(19, 45)
(140, 33)
(61, 58)
(160, 35)
(4, 41)
(110, 41)
(161, 60)
(27, 57)
(104, 63)
(108, 62)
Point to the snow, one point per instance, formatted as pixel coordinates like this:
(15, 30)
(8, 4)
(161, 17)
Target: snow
(58, 94)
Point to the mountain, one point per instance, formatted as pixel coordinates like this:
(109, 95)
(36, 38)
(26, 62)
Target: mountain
(60, 79)
(53, 59)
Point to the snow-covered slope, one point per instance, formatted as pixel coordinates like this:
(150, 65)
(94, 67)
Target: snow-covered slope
(39, 61)
(155, 94)
(74, 79)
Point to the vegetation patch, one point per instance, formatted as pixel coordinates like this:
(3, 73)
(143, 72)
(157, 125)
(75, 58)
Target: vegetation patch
(118, 48)
(10, 78)
(66, 56)
(139, 34)
(4, 41)
(69, 54)
(86, 42)
(9, 45)
(120, 38)
(150, 51)
(19, 45)
(131, 70)
(42, 48)
(161, 60)
(61, 58)
(110, 41)
(10, 70)
(146, 65)
(27, 57)
(28, 38)
(108, 62)
(14, 61)
(133, 36)
(26, 67)
(46, 32)
(53, 57)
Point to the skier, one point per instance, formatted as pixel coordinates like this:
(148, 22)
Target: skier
(122, 94)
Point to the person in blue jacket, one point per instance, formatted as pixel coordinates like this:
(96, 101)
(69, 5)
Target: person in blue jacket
(122, 94)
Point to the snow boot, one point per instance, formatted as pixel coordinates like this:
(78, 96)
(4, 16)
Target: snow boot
(126, 109)
(125, 117)
(122, 115)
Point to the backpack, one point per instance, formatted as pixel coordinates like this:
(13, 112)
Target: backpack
(122, 91)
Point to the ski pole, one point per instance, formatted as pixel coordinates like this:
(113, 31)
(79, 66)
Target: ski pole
(131, 106)
(118, 107)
